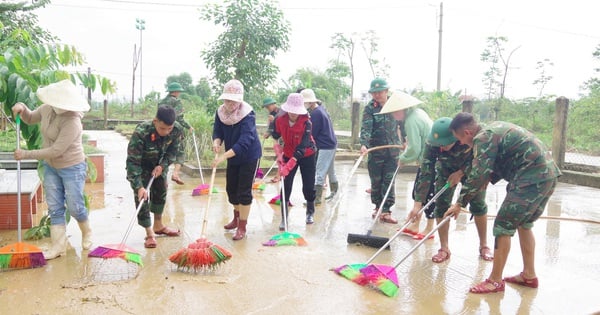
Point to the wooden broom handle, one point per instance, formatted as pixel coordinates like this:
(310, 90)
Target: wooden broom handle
(210, 187)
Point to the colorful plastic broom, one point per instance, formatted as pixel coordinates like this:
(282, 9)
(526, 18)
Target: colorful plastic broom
(201, 189)
(258, 185)
(20, 255)
(121, 250)
(353, 272)
(201, 254)
(285, 238)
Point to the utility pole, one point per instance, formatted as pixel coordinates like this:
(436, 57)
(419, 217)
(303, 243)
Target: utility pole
(140, 24)
(135, 63)
(439, 69)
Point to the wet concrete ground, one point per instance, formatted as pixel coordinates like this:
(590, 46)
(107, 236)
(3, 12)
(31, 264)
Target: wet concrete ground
(297, 280)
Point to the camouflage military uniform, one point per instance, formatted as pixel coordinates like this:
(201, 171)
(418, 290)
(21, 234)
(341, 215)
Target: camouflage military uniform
(436, 167)
(506, 151)
(175, 103)
(378, 130)
(145, 151)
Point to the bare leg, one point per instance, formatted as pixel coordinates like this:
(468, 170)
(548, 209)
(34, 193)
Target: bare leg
(501, 250)
(527, 242)
(175, 177)
(443, 233)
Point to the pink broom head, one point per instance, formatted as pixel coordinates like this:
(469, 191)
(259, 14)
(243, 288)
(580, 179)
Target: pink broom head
(286, 239)
(260, 174)
(200, 255)
(382, 278)
(117, 251)
(21, 256)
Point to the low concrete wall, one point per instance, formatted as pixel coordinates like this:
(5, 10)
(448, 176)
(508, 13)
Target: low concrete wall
(580, 178)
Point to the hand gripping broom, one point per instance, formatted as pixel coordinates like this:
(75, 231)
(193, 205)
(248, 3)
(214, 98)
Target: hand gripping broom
(121, 250)
(202, 254)
(353, 271)
(20, 255)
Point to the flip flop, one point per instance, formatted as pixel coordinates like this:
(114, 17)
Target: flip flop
(485, 253)
(408, 232)
(531, 283)
(149, 242)
(420, 236)
(167, 231)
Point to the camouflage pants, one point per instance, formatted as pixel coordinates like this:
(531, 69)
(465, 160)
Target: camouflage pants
(522, 206)
(158, 195)
(180, 157)
(430, 194)
(381, 166)
(477, 205)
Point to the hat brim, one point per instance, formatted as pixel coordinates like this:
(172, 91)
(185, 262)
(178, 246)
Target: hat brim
(265, 105)
(399, 101)
(298, 110)
(312, 100)
(63, 95)
(379, 89)
(440, 142)
(232, 97)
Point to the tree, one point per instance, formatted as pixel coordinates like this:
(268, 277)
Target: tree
(185, 79)
(370, 45)
(593, 83)
(254, 31)
(544, 77)
(20, 25)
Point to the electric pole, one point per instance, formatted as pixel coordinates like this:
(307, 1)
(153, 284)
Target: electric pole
(439, 69)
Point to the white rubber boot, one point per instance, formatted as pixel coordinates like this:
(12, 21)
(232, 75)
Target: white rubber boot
(86, 234)
(59, 242)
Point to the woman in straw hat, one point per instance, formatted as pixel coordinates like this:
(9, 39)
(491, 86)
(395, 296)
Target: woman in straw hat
(63, 160)
(235, 126)
(295, 128)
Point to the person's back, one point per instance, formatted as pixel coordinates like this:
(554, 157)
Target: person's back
(323, 132)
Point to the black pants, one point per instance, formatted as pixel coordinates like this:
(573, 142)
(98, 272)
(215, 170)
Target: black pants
(239, 183)
(308, 168)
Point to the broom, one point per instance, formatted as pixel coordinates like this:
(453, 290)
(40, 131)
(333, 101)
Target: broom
(285, 238)
(121, 250)
(202, 254)
(201, 189)
(259, 185)
(352, 271)
(20, 255)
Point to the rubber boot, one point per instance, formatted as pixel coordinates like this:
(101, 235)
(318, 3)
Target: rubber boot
(244, 212)
(58, 235)
(86, 234)
(234, 222)
(310, 212)
(318, 194)
(334, 188)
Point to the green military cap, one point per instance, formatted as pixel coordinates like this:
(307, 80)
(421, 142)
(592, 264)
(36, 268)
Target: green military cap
(175, 87)
(268, 101)
(378, 84)
(440, 134)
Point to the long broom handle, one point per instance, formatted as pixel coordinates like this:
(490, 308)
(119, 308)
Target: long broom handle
(270, 168)
(18, 120)
(283, 203)
(427, 205)
(423, 240)
(380, 209)
(210, 187)
(355, 167)
(197, 156)
(139, 207)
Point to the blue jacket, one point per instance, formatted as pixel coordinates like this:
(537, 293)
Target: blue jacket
(322, 129)
(242, 138)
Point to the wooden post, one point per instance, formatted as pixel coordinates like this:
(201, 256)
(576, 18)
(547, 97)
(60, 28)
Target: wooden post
(355, 124)
(559, 132)
(467, 106)
(105, 114)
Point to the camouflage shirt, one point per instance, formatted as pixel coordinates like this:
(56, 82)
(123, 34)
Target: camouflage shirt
(502, 150)
(377, 130)
(175, 103)
(438, 165)
(147, 149)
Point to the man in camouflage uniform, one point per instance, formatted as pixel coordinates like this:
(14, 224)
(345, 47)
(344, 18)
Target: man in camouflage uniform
(378, 130)
(152, 148)
(172, 100)
(506, 151)
(446, 161)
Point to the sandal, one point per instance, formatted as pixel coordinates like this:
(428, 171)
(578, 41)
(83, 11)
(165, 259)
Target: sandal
(408, 232)
(177, 180)
(482, 288)
(420, 236)
(521, 280)
(441, 256)
(387, 218)
(167, 231)
(485, 253)
(149, 242)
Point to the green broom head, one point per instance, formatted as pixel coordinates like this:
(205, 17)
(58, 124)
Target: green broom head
(352, 273)
(21, 256)
(200, 255)
(117, 251)
(286, 239)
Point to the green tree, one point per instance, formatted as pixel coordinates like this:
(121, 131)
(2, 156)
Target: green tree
(185, 79)
(370, 45)
(544, 77)
(594, 82)
(20, 25)
(254, 31)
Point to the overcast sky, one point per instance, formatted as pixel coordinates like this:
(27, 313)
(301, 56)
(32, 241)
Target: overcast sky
(565, 32)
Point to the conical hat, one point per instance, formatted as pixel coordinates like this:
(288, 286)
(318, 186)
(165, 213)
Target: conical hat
(63, 95)
(399, 101)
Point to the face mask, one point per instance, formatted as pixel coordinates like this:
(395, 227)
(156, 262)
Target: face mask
(58, 111)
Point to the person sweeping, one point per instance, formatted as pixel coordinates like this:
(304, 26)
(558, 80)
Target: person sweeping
(152, 148)
(63, 161)
(235, 127)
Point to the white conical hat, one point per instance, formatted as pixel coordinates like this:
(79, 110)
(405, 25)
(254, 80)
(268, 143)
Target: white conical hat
(63, 95)
(399, 101)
